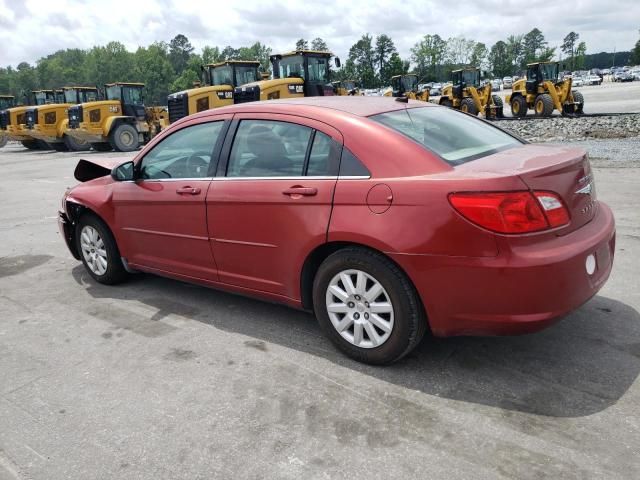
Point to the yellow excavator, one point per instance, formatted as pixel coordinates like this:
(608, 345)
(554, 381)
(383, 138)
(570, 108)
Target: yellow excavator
(222, 78)
(49, 123)
(6, 102)
(346, 87)
(466, 93)
(406, 86)
(12, 120)
(300, 73)
(543, 92)
(121, 122)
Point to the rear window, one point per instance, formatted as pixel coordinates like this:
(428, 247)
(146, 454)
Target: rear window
(457, 138)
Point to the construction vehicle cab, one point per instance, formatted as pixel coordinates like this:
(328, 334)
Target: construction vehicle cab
(13, 120)
(120, 122)
(467, 93)
(6, 102)
(221, 79)
(544, 91)
(407, 86)
(301, 73)
(346, 87)
(49, 123)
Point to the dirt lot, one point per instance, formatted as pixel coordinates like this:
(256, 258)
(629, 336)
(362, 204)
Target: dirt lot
(160, 379)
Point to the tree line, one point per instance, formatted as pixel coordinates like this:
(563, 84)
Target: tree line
(372, 61)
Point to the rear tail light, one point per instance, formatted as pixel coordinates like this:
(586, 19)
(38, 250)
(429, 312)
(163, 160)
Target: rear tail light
(512, 212)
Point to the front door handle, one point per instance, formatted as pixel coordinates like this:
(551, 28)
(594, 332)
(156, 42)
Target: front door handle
(297, 190)
(188, 191)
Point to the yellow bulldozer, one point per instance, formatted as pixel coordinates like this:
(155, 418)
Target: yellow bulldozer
(121, 122)
(13, 125)
(6, 102)
(468, 94)
(544, 92)
(221, 78)
(406, 86)
(49, 123)
(346, 88)
(301, 73)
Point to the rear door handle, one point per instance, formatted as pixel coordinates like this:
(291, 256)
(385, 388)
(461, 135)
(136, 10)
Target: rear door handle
(188, 191)
(306, 191)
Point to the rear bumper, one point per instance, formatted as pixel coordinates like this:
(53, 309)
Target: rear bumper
(522, 290)
(67, 232)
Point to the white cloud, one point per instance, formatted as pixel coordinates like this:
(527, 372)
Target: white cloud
(32, 29)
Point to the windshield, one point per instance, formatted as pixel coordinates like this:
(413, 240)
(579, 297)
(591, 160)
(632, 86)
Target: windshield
(410, 83)
(128, 94)
(292, 67)
(88, 96)
(113, 92)
(549, 71)
(471, 77)
(43, 97)
(349, 85)
(455, 137)
(246, 74)
(6, 103)
(59, 96)
(318, 69)
(222, 75)
(71, 96)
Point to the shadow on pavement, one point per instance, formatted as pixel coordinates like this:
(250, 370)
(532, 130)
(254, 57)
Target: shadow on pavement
(578, 367)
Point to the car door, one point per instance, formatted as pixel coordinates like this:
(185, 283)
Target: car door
(161, 216)
(271, 202)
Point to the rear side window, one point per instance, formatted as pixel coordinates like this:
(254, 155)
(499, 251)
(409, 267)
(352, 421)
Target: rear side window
(457, 138)
(350, 166)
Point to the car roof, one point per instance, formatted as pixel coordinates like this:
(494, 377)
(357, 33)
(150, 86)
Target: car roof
(354, 105)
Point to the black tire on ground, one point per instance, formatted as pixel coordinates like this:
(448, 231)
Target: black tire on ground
(468, 105)
(3, 140)
(543, 105)
(115, 271)
(124, 138)
(102, 147)
(445, 102)
(519, 106)
(75, 145)
(579, 98)
(59, 147)
(409, 323)
(497, 101)
(31, 144)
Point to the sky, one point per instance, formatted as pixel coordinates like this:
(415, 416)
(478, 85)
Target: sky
(31, 29)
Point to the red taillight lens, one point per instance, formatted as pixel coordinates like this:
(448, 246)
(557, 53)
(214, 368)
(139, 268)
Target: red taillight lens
(511, 212)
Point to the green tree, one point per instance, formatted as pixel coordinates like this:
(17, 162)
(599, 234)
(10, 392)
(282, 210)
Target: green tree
(569, 48)
(533, 44)
(581, 52)
(319, 45)
(180, 50)
(362, 55)
(499, 60)
(229, 53)
(479, 55)
(428, 55)
(635, 54)
(110, 63)
(302, 44)
(383, 50)
(153, 67)
(210, 55)
(515, 52)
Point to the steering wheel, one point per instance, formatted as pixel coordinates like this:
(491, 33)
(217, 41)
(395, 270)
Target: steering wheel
(196, 166)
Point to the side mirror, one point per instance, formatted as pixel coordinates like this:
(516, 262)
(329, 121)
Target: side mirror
(337, 62)
(123, 172)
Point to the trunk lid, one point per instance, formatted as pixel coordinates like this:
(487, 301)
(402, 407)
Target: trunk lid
(563, 170)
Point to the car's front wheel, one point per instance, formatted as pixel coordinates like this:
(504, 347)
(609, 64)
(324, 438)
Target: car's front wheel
(367, 306)
(99, 251)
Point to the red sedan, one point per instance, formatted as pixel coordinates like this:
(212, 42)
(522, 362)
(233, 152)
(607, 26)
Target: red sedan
(385, 218)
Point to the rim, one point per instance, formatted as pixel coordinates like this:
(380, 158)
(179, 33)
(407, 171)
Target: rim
(359, 308)
(126, 138)
(93, 250)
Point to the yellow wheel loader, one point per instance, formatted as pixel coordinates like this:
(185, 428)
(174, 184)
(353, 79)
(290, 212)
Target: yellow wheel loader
(346, 88)
(6, 101)
(13, 124)
(544, 92)
(121, 122)
(466, 93)
(222, 78)
(49, 123)
(301, 73)
(406, 86)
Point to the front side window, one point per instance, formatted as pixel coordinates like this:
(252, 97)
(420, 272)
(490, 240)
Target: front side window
(41, 98)
(292, 67)
(184, 154)
(409, 83)
(88, 96)
(132, 95)
(318, 69)
(457, 138)
(71, 96)
(113, 93)
(265, 148)
(222, 75)
(471, 78)
(246, 74)
(549, 71)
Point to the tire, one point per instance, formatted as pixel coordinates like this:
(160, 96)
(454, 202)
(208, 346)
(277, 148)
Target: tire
(468, 105)
(577, 97)
(75, 145)
(519, 106)
(31, 144)
(405, 320)
(445, 102)
(59, 147)
(3, 140)
(497, 101)
(98, 250)
(543, 106)
(124, 138)
(102, 147)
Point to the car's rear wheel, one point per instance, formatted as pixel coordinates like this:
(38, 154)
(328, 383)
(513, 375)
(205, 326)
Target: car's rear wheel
(98, 250)
(124, 138)
(367, 306)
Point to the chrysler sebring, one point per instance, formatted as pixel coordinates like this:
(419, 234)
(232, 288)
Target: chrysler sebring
(386, 218)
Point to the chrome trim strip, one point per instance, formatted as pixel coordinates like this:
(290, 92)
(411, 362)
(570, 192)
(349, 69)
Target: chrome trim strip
(238, 242)
(165, 234)
(219, 179)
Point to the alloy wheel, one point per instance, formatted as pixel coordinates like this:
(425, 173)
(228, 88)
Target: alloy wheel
(93, 250)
